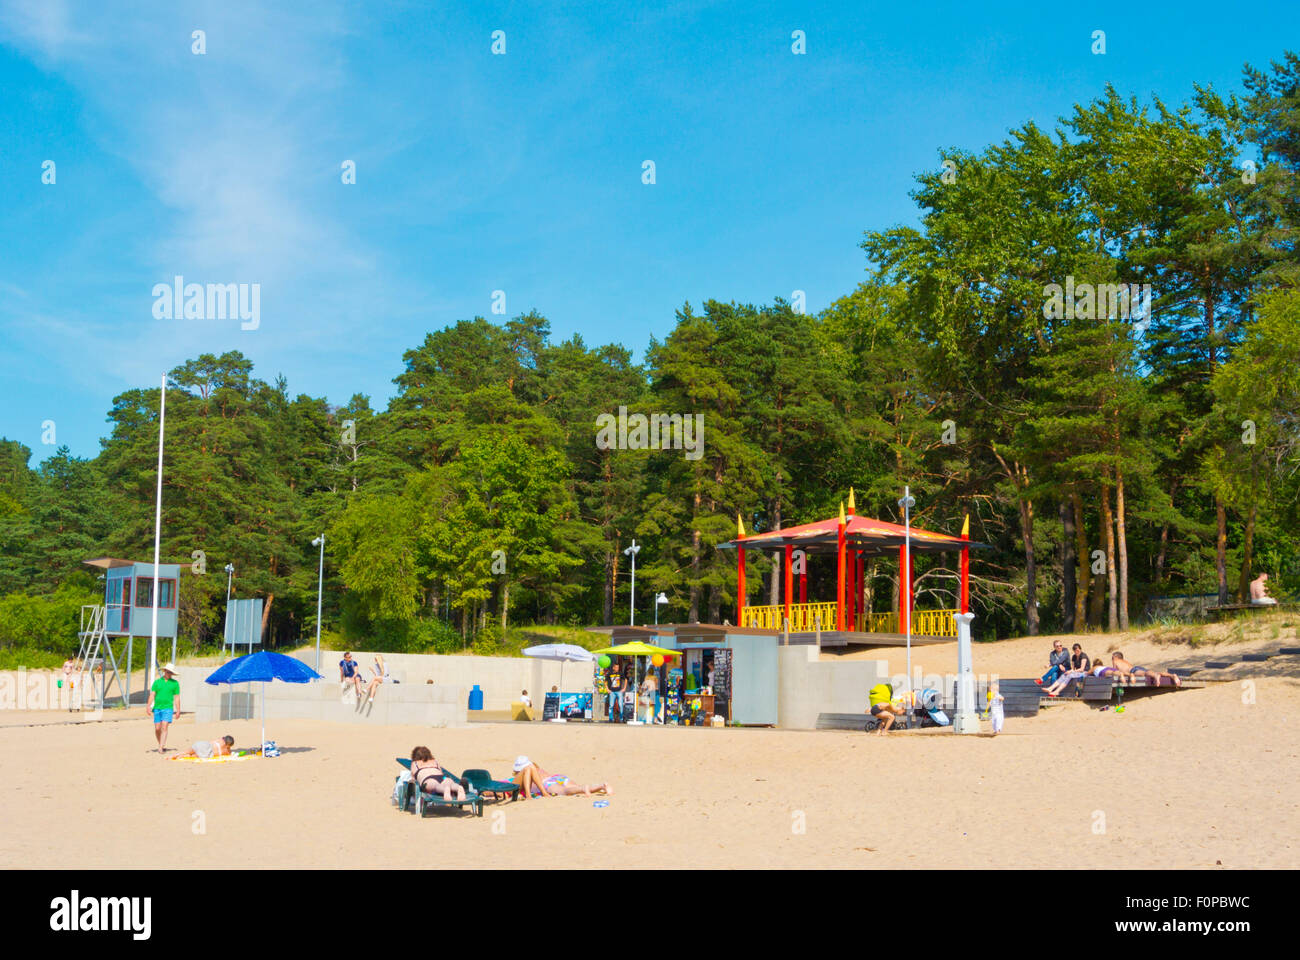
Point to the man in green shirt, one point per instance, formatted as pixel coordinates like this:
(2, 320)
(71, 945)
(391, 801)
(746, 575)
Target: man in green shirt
(164, 698)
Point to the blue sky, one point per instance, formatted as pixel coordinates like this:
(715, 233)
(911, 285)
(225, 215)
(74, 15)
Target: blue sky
(520, 172)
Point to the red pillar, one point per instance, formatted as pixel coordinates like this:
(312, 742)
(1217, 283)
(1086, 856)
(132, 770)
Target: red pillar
(853, 590)
(839, 575)
(740, 586)
(904, 588)
(803, 580)
(789, 578)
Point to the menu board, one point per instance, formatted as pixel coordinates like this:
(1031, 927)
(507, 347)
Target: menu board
(722, 673)
(551, 709)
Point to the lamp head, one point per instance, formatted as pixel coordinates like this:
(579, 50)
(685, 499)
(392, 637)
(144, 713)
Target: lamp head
(318, 541)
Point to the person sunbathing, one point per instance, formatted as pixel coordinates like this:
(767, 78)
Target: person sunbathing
(431, 778)
(535, 782)
(1127, 671)
(207, 749)
(1082, 670)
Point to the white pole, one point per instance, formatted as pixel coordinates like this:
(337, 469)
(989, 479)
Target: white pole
(320, 586)
(966, 719)
(263, 744)
(631, 603)
(157, 534)
(906, 573)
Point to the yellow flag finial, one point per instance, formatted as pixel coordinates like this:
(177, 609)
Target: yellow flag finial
(740, 526)
(965, 526)
(842, 521)
(853, 505)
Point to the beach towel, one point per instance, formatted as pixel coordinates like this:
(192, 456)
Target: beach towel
(229, 759)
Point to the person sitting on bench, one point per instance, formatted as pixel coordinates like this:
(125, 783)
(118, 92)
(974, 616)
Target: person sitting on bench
(432, 778)
(1081, 667)
(1259, 591)
(1057, 662)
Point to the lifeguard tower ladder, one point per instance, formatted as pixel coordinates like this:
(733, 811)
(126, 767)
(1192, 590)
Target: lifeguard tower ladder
(95, 653)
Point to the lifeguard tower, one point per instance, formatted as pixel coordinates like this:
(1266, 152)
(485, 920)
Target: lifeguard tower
(127, 612)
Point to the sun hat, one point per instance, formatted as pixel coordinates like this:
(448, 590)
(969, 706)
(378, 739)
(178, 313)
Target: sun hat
(521, 762)
(169, 667)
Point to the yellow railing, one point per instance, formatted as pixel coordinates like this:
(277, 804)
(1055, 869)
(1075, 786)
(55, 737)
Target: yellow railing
(934, 623)
(879, 622)
(925, 623)
(803, 616)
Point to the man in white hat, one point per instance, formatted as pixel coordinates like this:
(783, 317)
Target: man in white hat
(164, 701)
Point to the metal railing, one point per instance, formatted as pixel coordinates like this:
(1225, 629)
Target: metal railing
(802, 616)
(925, 623)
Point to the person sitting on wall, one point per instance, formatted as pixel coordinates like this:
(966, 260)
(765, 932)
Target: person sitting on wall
(350, 672)
(380, 670)
(1259, 591)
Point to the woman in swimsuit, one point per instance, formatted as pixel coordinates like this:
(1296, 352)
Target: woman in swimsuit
(534, 781)
(432, 778)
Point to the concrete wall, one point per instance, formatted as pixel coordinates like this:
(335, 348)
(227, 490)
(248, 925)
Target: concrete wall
(500, 678)
(809, 685)
(411, 701)
(408, 704)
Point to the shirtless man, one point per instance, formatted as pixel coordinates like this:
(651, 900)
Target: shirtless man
(1127, 672)
(1258, 591)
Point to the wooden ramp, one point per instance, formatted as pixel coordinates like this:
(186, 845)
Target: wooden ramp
(846, 638)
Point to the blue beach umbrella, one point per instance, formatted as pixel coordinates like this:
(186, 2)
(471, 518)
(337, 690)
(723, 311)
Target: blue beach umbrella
(262, 667)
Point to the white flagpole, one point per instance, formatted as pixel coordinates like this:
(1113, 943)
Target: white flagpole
(157, 534)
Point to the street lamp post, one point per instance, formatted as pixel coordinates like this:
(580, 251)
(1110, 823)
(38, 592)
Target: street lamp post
(320, 586)
(662, 598)
(632, 551)
(907, 503)
(230, 572)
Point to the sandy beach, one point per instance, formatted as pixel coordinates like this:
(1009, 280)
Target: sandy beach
(1200, 778)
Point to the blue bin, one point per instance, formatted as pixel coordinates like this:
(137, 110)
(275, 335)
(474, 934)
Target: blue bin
(476, 698)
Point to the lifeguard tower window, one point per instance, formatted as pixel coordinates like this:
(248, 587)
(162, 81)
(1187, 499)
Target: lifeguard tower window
(166, 593)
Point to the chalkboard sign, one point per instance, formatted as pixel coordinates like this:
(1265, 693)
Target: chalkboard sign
(722, 673)
(551, 709)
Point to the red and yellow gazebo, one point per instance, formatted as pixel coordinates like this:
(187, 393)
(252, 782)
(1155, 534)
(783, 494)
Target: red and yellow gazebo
(852, 539)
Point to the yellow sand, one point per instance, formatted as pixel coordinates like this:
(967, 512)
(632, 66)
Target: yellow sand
(1190, 779)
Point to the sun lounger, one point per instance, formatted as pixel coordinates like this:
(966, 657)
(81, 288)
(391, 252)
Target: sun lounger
(482, 782)
(422, 801)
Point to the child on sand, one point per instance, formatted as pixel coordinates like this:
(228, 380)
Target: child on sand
(997, 704)
(207, 749)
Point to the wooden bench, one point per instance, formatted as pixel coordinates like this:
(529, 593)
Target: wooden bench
(1216, 612)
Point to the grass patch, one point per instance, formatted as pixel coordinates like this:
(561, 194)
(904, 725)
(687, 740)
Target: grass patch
(11, 658)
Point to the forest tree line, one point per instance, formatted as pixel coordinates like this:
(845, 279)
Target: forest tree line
(1000, 359)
